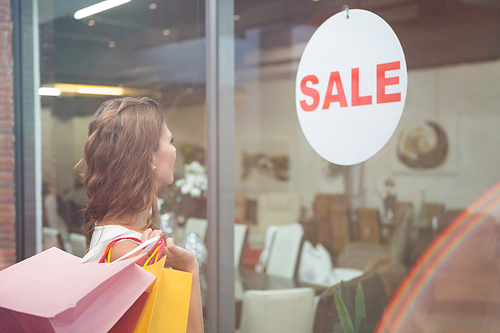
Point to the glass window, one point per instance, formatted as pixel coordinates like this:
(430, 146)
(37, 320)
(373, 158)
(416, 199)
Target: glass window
(370, 223)
(419, 215)
(140, 48)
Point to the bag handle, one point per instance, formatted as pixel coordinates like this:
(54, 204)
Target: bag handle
(157, 252)
(146, 248)
(107, 250)
(154, 253)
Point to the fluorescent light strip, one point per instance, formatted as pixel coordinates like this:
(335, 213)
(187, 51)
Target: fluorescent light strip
(47, 91)
(100, 91)
(98, 7)
(59, 89)
(68, 88)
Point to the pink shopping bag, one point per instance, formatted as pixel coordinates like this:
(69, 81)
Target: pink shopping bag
(53, 292)
(128, 322)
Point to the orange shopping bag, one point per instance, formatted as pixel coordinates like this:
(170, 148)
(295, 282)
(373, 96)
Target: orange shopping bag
(167, 307)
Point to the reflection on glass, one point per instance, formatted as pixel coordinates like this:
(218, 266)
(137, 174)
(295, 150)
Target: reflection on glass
(371, 223)
(453, 285)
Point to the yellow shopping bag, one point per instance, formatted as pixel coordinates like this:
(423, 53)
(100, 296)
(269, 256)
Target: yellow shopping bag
(167, 307)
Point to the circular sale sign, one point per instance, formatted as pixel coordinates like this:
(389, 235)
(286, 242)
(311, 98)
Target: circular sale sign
(351, 87)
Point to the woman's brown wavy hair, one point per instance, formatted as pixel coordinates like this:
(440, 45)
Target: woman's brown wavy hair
(116, 168)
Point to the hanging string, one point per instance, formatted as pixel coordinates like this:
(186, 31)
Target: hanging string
(345, 11)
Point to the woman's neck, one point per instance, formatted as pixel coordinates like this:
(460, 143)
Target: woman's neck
(136, 221)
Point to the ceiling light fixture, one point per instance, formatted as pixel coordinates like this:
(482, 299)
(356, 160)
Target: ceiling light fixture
(98, 7)
(68, 88)
(71, 89)
(48, 91)
(112, 91)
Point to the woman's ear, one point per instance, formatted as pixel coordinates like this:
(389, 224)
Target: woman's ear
(152, 162)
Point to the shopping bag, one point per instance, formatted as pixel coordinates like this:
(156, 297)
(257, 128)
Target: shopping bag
(151, 252)
(129, 320)
(167, 307)
(53, 292)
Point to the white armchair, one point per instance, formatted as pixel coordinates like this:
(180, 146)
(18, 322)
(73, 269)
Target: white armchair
(278, 311)
(284, 255)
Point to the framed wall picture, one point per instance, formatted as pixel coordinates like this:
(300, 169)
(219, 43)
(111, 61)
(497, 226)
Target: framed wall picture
(265, 165)
(426, 147)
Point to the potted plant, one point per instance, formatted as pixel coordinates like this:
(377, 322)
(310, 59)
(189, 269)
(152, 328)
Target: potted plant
(352, 313)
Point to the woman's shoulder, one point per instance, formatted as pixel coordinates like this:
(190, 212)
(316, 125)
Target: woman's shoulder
(103, 235)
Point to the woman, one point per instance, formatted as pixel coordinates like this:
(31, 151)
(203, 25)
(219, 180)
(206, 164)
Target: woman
(127, 157)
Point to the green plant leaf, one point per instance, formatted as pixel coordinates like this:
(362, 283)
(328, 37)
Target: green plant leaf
(343, 313)
(346, 296)
(360, 309)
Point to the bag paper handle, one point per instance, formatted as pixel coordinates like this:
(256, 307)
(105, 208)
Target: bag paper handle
(154, 254)
(143, 246)
(107, 250)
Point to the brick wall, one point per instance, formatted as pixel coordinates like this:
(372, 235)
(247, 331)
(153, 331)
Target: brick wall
(7, 191)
